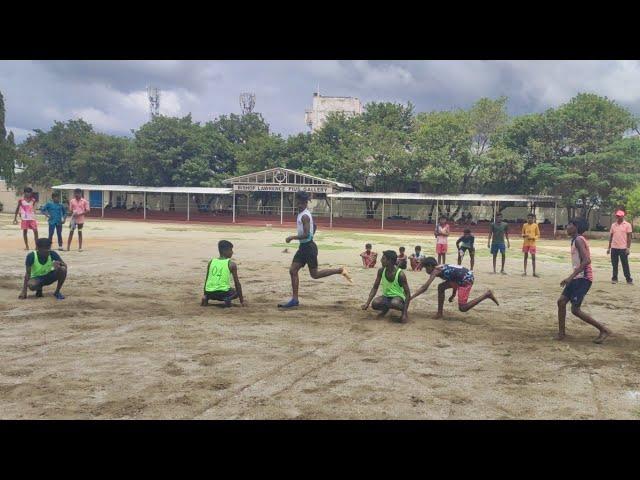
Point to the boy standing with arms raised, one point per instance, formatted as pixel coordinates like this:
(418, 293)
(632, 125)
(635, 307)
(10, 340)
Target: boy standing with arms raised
(530, 233)
(498, 232)
(577, 285)
(307, 253)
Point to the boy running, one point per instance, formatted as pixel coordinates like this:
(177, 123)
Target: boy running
(414, 258)
(217, 281)
(369, 258)
(307, 253)
(43, 267)
(464, 244)
(578, 283)
(442, 239)
(498, 231)
(78, 206)
(27, 209)
(530, 233)
(56, 215)
(395, 288)
(456, 277)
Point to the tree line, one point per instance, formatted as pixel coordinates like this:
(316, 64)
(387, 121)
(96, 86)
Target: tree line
(586, 150)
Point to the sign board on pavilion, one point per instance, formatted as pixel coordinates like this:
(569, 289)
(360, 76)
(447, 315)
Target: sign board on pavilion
(282, 188)
(284, 180)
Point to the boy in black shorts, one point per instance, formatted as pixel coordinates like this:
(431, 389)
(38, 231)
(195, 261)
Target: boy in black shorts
(577, 285)
(43, 267)
(465, 244)
(307, 253)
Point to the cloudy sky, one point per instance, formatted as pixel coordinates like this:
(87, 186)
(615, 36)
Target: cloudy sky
(112, 94)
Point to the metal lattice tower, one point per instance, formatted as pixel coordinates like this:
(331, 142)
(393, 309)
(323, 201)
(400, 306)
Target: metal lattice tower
(247, 102)
(154, 101)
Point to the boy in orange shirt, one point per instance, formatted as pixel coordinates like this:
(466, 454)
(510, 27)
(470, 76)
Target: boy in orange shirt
(530, 233)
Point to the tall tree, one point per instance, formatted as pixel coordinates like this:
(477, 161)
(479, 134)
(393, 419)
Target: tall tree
(7, 147)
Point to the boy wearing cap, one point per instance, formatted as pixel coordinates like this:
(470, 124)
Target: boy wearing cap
(620, 246)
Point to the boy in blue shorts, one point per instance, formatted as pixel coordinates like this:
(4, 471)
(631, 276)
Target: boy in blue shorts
(498, 232)
(56, 216)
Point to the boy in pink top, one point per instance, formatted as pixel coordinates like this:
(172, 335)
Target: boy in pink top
(27, 209)
(620, 246)
(442, 239)
(78, 207)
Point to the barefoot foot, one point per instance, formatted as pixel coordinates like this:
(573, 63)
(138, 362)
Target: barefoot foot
(560, 336)
(345, 274)
(603, 334)
(491, 296)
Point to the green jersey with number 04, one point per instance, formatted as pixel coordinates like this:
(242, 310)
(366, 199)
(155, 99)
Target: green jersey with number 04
(219, 276)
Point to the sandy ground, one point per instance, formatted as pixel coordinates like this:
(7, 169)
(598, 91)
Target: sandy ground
(131, 341)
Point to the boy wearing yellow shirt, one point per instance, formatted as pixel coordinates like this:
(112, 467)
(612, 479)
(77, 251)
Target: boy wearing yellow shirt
(530, 233)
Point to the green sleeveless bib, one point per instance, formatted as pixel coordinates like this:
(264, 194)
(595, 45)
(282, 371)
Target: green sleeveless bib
(392, 289)
(219, 276)
(41, 269)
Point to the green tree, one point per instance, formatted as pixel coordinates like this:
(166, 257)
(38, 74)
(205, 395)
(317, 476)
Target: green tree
(103, 159)
(7, 148)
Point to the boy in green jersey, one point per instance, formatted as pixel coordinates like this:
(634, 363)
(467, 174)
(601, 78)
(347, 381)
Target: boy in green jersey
(43, 267)
(395, 288)
(217, 282)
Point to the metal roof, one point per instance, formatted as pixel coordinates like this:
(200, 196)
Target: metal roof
(435, 196)
(247, 177)
(139, 189)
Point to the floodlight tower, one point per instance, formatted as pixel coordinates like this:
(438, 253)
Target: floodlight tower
(247, 102)
(154, 101)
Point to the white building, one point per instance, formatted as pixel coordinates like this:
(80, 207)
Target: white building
(323, 106)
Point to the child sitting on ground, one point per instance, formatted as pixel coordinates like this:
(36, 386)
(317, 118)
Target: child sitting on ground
(369, 257)
(414, 258)
(217, 283)
(402, 259)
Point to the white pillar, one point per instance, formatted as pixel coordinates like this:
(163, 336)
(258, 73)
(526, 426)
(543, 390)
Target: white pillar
(555, 218)
(383, 214)
(234, 206)
(331, 212)
(144, 205)
(281, 205)
(495, 207)
(103, 204)
(435, 220)
(188, 207)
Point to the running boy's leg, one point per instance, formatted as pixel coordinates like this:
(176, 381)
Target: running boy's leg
(562, 316)
(80, 236)
(465, 305)
(472, 256)
(585, 317)
(441, 292)
(25, 238)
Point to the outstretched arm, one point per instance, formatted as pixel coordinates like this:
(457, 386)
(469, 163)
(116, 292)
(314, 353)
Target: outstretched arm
(206, 275)
(234, 271)
(425, 287)
(402, 278)
(372, 294)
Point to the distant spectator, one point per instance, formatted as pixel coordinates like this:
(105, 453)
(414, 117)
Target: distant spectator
(402, 259)
(620, 246)
(369, 257)
(415, 257)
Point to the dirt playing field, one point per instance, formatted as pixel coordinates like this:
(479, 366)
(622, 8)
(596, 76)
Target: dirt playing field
(131, 341)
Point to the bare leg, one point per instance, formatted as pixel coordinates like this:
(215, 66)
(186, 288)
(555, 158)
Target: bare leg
(204, 301)
(35, 235)
(472, 257)
(26, 239)
(526, 257)
(398, 304)
(495, 256)
(459, 259)
(444, 258)
(379, 304)
(295, 280)
(69, 240)
(585, 317)
(315, 273)
(533, 264)
(504, 256)
(441, 290)
(487, 295)
(62, 276)
(562, 315)
(79, 239)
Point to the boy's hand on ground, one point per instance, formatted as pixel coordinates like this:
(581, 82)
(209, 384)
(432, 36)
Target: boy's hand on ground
(365, 306)
(22, 295)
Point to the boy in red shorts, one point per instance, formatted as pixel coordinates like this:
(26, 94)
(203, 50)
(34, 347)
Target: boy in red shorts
(78, 207)
(442, 239)
(456, 277)
(530, 233)
(27, 209)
